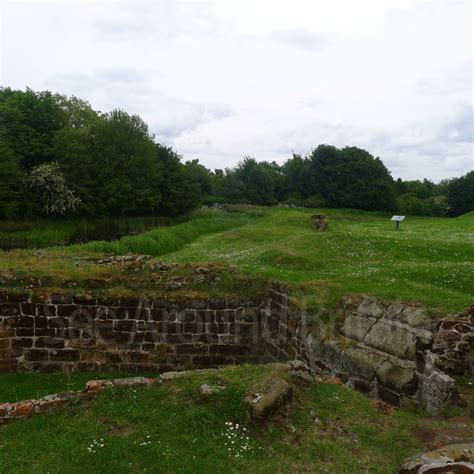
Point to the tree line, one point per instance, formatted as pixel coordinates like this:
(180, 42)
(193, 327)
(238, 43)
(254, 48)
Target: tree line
(59, 157)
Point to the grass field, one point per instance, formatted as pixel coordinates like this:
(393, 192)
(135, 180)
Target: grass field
(430, 260)
(48, 232)
(172, 428)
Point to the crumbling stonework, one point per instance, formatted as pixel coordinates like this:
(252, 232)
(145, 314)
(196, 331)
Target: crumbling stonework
(454, 458)
(320, 222)
(454, 342)
(396, 352)
(27, 408)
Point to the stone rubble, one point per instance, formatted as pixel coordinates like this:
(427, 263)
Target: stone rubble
(207, 390)
(27, 408)
(453, 458)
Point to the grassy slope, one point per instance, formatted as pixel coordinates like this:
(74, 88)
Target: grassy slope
(76, 263)
(47, 232)
(430, 260)
(330, 429)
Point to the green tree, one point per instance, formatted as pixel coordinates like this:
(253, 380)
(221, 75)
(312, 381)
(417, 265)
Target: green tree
(296, 182)
(460, 194)
(227, 188)
(412, 205)
(28, 121)
(180, 190)
(352, 177)
(11, 182)
(203, 177)
(258, 185)
(113, 165)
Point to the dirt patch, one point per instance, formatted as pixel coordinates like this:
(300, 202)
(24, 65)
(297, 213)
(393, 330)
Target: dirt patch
(120, 431)
(456, 430)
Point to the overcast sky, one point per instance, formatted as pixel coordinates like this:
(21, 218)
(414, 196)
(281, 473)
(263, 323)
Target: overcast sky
(220, 80)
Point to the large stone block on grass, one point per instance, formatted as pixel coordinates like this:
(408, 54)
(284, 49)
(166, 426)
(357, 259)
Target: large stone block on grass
(267, 398)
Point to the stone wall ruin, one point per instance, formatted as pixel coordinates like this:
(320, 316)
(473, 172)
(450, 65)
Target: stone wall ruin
(398, 352)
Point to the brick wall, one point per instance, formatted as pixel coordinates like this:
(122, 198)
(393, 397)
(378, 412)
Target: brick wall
(128, 334)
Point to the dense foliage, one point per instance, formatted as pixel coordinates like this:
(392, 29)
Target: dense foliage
(330, 177)
(60, 157)
(57, 155)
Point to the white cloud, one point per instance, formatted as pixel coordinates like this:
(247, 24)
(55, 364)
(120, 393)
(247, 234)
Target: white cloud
(223, 79)
(299, 38)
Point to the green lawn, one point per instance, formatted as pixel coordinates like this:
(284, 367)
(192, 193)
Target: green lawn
(172, 428)
(430, 260)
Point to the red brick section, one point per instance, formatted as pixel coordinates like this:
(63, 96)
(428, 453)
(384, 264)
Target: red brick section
(27, 408)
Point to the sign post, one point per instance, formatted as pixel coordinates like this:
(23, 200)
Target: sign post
(397, 220)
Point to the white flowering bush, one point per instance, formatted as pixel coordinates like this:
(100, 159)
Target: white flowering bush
(49, 184)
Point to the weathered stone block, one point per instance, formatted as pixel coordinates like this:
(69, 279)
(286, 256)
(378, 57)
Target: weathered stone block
(392, 338)
(52, 342)
(24, 332)
(197, 348)
(453, 458)
(137, 357)
(37, 355)
(395, 377)
(217, 304)
(356, 326)
(267, 398)
(229, 349)
(10, 309)
(61, 298)
(22, 409)
(370, 307)
(48, 310)
(362, 362)
(125, 325)
(389, 396)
